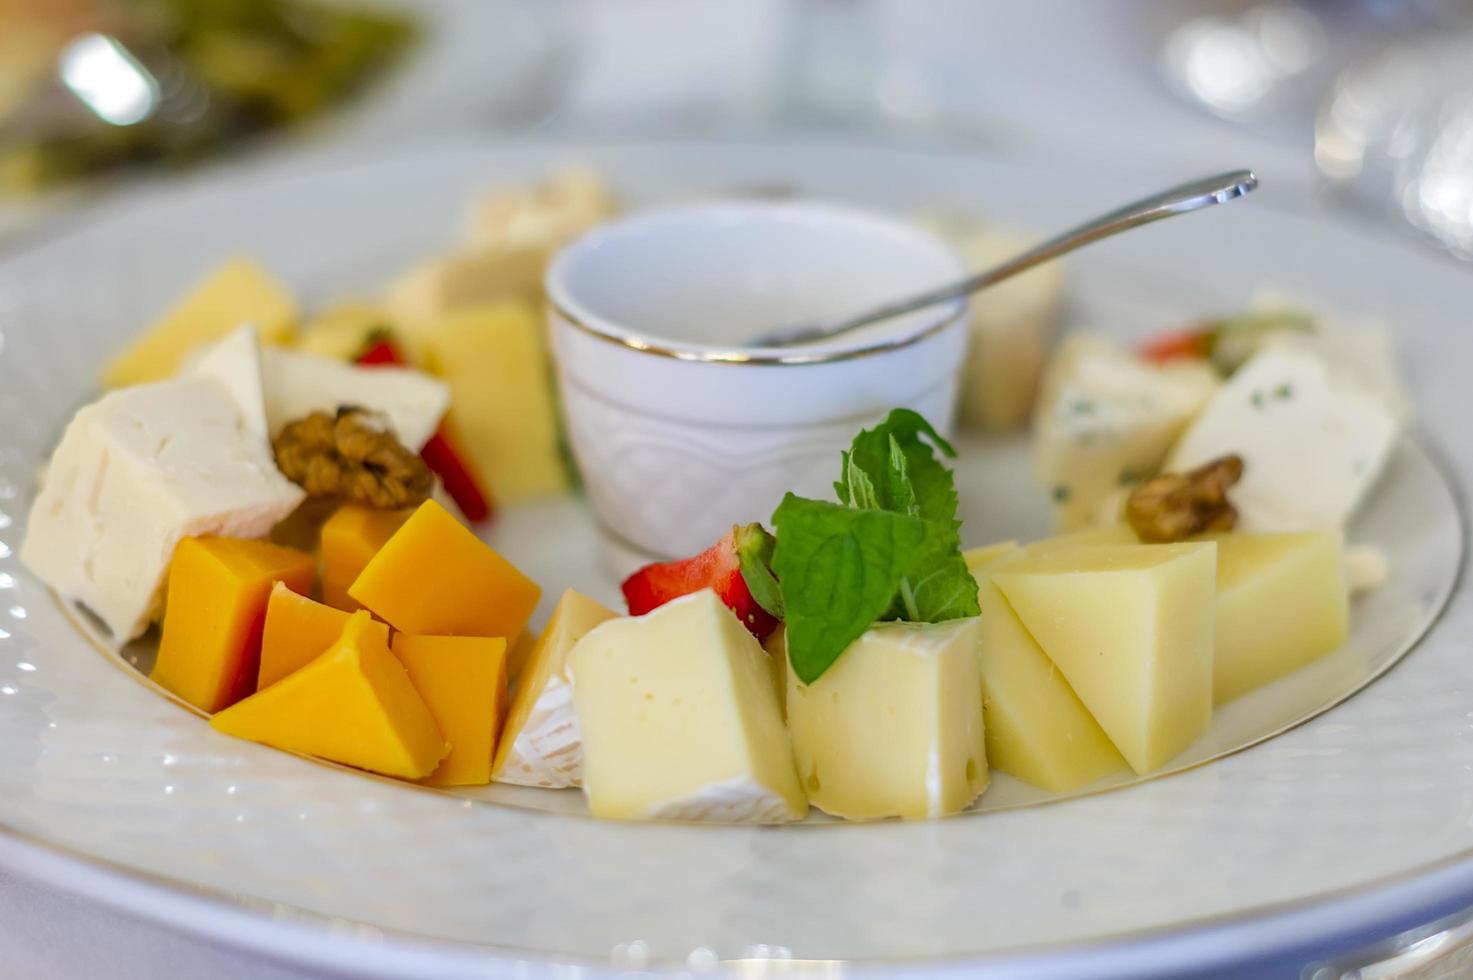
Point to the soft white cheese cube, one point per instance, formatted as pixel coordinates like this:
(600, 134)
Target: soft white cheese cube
(235, 362)
(1108, 419)
(1312, 441)
(137, 471)
(894, 727)
(679, 719)
(298, 384)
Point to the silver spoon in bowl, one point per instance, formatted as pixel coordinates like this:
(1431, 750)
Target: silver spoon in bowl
(1178, 200)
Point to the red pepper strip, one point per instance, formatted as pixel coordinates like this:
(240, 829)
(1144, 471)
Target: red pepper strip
(443, 457)
(1178, 345)
(440, 454)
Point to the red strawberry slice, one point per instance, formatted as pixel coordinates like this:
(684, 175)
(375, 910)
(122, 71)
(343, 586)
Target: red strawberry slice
(719, 567)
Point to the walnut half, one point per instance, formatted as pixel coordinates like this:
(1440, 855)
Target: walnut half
(352, 455)
(1176, 506)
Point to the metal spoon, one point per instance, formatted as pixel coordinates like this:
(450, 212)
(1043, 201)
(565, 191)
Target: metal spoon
(1178, 200)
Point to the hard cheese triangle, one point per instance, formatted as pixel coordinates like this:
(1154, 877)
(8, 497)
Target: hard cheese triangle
(1131, 627)
(541, 744)
(354, 704)
(1037, 729)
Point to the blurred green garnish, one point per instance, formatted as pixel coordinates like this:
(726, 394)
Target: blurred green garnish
(221, 71)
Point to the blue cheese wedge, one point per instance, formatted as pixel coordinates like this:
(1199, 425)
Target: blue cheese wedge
(135, 473)
(298, 384)
(1107, 420)
(1313, 441)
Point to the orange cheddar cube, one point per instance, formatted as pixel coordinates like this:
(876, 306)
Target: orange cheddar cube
(354, 704)
(350, 538)
(215, 613)
(463, 681)
(434, 577)
(297, 632)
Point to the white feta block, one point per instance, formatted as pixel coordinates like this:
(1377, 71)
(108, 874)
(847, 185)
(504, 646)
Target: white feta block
(137, 471)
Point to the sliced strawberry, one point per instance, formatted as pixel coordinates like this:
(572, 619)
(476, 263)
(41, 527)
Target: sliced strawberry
(441, 454)
(719, 568)
(1194, 343)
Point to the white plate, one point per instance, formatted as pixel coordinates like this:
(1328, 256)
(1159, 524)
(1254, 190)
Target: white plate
(1353, 820)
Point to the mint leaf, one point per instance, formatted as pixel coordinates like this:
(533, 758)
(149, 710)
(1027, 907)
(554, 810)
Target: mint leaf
(903, 467)
(840, 569)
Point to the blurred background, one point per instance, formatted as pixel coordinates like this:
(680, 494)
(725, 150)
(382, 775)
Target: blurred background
(1364, 104)
(1359, 107)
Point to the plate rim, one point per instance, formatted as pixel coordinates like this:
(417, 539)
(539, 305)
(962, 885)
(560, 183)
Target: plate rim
(1427, 886)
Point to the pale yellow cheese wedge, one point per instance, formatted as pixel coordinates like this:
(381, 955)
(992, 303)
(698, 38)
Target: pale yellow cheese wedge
(501, 397)
(894, 727)
(987, 554)
(541, 744)
(238, 291)
(680, 721)
(1281, 603)
(1037, 729)
(1131, 628)
(1119, 534)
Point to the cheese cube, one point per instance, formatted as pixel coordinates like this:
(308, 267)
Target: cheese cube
(679, 719)
(354, 704)
(1012, 326)
(298, 384)
(297, 632)
(1108, 419)
(541, 744)
(1281, 603)
(235, 362)
(493, 357)
(1036, 727)
(210, 650)
(441, 287)
(1131, 628)
(238, 291)
(544, 216)
(343, 331)
(349, 540)
(136, 472)
(463, 682)
(894, 727)
(1312, 444)
(434, 576)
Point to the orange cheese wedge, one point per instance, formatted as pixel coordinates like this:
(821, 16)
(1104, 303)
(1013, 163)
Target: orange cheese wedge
(354, 704)
(434, 577)
(350, 539)
(297, 632)
(463, 681)
(218, 591)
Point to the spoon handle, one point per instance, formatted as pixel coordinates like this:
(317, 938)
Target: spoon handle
(1178, 200)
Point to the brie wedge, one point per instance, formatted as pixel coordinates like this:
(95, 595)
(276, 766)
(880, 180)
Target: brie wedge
(298, 384)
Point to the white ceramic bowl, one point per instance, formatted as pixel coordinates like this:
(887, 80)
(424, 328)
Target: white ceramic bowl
(679, 429)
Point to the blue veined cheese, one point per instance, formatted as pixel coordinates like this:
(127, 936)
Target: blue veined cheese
(137, 471)
(894, 727)
(297, 384)
(679, 719)
(235, 362)
(1312, 440)
(1108, 419)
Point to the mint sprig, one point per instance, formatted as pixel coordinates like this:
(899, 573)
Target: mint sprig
(890, 549)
